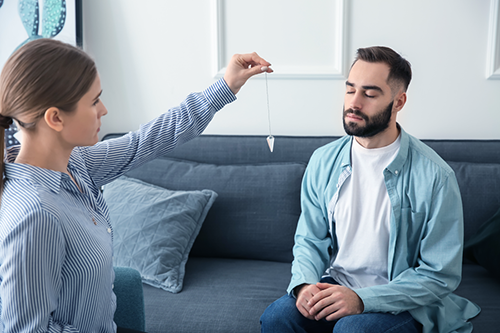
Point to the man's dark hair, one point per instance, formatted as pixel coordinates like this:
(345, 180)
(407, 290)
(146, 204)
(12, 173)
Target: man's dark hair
(399, 67)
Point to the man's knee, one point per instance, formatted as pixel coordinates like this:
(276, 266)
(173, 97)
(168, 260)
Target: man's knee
(347, 324)
(377, 322)
(279, 314)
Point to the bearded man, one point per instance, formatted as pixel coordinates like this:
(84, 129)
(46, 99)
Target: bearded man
(379, 242)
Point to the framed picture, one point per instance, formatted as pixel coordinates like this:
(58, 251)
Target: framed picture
(24, 20)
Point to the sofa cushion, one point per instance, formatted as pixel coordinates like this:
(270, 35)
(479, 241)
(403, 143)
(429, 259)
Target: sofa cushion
(220, 295)
(256, 212)
(480, 189)
(155, 228)
(484, 247)
(480, 287)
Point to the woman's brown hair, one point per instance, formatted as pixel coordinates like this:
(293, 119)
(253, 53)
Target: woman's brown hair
(41, 74)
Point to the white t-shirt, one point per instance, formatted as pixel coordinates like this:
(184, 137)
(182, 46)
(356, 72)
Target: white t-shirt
(362, 218)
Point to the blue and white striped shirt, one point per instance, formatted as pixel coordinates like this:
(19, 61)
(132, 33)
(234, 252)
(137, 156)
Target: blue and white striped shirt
(56, 271)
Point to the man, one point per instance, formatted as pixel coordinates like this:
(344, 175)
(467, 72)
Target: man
(378, 245)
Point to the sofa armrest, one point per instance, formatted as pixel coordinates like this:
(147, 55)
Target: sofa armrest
(129, 299)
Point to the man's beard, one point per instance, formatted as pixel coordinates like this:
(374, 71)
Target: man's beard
(374, 125)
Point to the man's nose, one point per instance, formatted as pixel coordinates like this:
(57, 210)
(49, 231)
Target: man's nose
(355, 102)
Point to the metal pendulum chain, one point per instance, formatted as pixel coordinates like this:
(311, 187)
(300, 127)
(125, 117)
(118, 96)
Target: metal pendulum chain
(270, 138)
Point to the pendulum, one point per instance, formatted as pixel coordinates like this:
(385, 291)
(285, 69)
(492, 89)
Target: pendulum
(270, 142)
(270, 138)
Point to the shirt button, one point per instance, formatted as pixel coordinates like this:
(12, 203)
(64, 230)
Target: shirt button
(113, 286)
(109, 230)
(396, 172)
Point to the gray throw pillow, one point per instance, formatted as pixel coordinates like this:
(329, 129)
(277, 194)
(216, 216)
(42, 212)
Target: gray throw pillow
(484, 247)
(480, 189)
(154, 228)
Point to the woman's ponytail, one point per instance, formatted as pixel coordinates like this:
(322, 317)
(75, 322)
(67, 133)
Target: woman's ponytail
(5, 123)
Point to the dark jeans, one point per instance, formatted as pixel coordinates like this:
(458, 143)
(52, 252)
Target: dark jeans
(283, 316)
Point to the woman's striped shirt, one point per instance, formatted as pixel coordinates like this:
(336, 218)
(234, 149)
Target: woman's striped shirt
(56, 269)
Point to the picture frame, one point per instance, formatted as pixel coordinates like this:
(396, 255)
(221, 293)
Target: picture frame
(24, 20)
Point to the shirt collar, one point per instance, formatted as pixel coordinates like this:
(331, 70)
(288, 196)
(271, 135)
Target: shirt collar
(47, 178)
(395, 166)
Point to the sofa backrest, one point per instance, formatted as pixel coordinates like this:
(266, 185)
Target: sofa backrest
(477, 167)
(256, 212)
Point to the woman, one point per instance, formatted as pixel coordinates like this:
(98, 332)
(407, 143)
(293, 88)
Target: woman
(56, 269)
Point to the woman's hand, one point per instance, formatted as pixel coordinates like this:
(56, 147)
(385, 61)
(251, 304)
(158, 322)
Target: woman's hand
(241, 67)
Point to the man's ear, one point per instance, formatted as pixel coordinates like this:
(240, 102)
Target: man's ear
(53, 119)
(399, 101)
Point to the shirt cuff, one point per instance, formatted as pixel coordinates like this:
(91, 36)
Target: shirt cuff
(370, 300)
(219, 94)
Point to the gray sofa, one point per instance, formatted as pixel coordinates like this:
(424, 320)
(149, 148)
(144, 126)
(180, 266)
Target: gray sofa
(240, 262)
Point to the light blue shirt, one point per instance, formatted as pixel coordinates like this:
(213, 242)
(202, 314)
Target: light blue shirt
(56, 267)
(425, 241)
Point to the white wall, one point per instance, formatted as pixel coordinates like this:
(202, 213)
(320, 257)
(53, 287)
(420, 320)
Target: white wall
(152, 53)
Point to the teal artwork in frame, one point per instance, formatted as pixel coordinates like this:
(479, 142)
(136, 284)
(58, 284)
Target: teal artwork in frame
(52, 22)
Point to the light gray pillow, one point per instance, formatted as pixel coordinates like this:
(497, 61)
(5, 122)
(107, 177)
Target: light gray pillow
(154, 228)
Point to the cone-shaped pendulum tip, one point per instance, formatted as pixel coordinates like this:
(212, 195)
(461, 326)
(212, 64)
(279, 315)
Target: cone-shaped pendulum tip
(270, 142)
